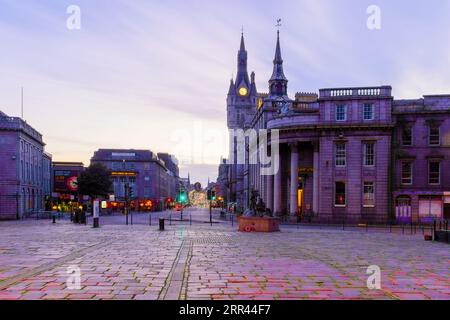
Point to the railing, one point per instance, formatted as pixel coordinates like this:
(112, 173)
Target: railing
(384, 91)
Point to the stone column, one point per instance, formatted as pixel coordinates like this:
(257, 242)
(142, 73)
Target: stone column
(316, 179)
(294, 179)
(277, 191)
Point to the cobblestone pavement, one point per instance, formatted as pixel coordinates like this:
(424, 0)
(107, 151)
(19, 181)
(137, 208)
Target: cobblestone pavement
(204, 262)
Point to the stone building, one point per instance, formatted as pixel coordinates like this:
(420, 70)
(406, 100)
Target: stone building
(25, 169)
(346, 154)
(222, 181)
(142, 170)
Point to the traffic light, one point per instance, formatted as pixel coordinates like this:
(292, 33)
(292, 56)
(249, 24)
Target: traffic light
(211, 194)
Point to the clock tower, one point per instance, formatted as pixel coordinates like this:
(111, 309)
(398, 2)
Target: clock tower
(242, 102)
(242, 94)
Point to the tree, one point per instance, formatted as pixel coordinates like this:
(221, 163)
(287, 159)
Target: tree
(95, 181)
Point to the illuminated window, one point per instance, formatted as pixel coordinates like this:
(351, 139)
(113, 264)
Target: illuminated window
(340, 194)
(369, 194)
(340, 154)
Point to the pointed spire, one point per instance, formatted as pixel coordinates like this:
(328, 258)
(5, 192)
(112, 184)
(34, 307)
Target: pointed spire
(232, 89)
(278, 72)
(242, 42)
(242, 78)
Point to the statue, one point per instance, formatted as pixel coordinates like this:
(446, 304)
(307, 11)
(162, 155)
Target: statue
(257, 207)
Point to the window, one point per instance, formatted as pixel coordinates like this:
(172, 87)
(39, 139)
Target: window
(341, 155)
(117, 165)
(434, 173)
(407, 177)
(434, 136)
(369, 194)
(407, 137)
(368, 113)
(147, 192)
(369, 154)
(340, 196)
(341, 112)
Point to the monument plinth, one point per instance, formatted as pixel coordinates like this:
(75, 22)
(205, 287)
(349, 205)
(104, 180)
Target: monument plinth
(258, 224)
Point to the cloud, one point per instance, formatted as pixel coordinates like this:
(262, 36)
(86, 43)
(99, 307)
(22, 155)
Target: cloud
(139, 70)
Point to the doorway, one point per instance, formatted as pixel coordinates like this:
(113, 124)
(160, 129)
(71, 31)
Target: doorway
(447, 211)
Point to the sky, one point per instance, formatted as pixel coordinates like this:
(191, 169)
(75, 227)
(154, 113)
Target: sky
(154, 74)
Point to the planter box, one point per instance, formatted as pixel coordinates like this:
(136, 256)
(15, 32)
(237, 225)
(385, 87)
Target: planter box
(442, 236)
(257, 224)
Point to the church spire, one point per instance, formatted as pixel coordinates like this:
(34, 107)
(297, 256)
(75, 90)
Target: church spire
(242, 42)
(242, 78)
(278, 82)
(278, 72)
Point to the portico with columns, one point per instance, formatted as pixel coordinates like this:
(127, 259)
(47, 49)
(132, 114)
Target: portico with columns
(333, 150)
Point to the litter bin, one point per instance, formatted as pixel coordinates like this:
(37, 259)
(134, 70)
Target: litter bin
(161, 224)
(76, 218)
(83, 217)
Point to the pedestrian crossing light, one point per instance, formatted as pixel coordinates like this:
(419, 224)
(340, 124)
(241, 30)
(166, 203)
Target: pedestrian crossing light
(183, 197)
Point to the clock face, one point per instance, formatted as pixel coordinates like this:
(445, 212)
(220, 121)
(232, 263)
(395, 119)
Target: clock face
(243, 91)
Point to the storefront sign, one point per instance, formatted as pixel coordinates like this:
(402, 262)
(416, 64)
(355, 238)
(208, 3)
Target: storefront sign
(66, 181)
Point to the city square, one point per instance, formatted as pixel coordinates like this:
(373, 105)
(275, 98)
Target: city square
(199, 152)
(200, 262)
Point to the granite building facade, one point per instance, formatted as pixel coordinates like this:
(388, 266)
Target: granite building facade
(25, 169)
(142, 170)
(346, 154)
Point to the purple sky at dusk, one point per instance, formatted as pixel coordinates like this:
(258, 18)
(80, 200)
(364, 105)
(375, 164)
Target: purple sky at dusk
(155, 74)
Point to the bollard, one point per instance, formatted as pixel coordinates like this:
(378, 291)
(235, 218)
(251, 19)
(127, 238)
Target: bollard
(150, 219)
(53, 218)
(161, 224)
(190, 219)
(96, 223)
